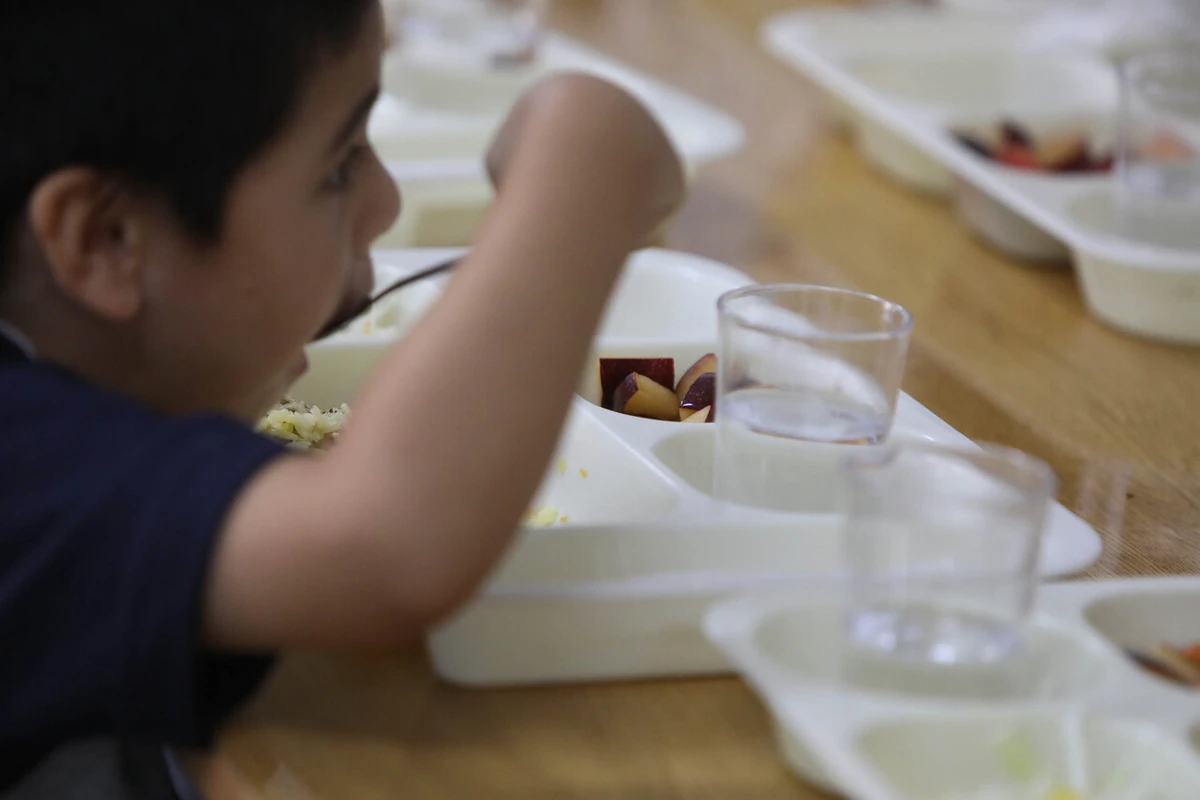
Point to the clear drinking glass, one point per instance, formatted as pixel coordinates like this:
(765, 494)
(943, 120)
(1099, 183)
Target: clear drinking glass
(802, 373)
(1158, 156)
(942, 544)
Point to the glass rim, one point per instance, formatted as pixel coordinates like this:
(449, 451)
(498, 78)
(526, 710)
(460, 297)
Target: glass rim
(1041, 475)
(1136, 68)
(724, 309)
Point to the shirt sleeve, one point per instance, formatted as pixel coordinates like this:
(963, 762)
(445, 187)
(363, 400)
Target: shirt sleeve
(108, 520)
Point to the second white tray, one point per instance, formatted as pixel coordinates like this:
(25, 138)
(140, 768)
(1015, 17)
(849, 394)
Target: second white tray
(908, 79)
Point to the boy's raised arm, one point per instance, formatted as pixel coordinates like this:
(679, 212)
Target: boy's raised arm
(397, 525)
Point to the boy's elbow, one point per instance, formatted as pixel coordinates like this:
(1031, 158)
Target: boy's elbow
(425, 601)
(363, 569)
(431, 582)
(419, 559)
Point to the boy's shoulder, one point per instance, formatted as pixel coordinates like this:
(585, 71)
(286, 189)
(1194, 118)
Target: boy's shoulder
(33, 392)
(111, 514)
(58, 430)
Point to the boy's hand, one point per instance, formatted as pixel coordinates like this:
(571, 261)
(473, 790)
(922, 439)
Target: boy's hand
(577, 117)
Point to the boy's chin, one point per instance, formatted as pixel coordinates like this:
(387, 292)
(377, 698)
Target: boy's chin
(272, 394)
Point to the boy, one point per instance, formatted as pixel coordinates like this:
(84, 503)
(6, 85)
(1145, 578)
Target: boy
(187, 196)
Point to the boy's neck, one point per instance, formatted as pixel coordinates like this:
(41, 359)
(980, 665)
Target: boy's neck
(58, 334)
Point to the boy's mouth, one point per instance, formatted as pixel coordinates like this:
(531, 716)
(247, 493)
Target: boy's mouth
(354, 305)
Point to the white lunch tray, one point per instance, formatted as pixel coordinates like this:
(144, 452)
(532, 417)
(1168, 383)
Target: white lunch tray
(1089, 718)
(619, 590)
(905, 78)
(436, 154)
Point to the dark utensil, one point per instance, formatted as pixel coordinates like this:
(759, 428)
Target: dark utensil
(340, 324)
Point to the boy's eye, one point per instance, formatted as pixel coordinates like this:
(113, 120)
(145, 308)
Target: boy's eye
(342, 175)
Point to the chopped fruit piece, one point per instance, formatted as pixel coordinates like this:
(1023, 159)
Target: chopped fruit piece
(684, 413)
(703, 366)
(639, 396)
(1064, 153)
(1017, 156)
(703, 415)
(583, 473)
(615, 370)
(1014, 134)
(1010, 144)
(702, 394)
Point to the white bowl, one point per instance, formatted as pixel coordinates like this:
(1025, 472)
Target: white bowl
(899, 160)
(1006, 231)
(1136, 288)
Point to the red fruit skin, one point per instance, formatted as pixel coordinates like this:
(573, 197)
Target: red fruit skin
(1017, 157)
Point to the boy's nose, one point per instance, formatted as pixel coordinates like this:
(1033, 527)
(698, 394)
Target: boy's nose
(382, 206)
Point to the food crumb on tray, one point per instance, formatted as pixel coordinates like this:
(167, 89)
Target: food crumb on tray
(547, 516)
(544, 517)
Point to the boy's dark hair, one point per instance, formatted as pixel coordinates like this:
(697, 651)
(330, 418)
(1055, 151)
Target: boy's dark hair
(173, 95)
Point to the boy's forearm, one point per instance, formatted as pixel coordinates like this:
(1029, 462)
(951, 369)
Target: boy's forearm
(463, 417)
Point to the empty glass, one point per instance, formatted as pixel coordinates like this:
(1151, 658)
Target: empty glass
(1158, 157)
(803, 372)
(943, 544)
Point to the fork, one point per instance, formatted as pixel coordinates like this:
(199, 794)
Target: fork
(341, 322)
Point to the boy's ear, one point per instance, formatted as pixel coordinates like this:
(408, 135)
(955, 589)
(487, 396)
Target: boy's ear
(91, 236)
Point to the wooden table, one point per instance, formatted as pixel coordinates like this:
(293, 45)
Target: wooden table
(1003, 352)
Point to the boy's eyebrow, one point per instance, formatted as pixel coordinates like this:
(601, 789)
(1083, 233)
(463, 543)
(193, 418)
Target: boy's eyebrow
(360, 113)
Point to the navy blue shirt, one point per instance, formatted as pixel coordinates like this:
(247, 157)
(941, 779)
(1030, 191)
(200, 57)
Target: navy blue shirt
(108, 519)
